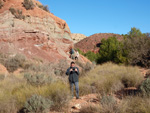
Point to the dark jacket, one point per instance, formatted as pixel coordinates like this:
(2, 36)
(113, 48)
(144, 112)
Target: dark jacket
(73, 75)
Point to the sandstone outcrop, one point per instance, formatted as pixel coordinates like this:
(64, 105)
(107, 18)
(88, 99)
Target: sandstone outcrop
(76, 37)
(40, 34)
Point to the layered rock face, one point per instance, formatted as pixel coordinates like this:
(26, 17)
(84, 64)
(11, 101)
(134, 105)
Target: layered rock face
(40, 34)
(76, 37)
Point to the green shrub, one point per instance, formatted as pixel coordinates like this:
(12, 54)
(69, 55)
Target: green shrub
(1, 4)
(134, 32)
(111, 50)
(91, 56)
(80, 52)
(13, 63)
(37, 104)
(28, 4)
(145, 87)
(109, 104)
(38, 79)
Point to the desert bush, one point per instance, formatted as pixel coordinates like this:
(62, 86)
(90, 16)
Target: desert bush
(88, 66)
(28, 4)
(38, 79)
(137, 46)
(145, 87)
(109, 78)
(2, 77)
(61, 67)
(85, 67)
(90, 109)
(17, 13)
(8, 106)
(58, 92)
(12, 10)
(134, 105)
(37, 104)
(44, 7)
(47, 68)
(13, 63)
(91, 56)
(60, 97)
(109, 104)
(147, 74)
(1, 4)
(3, 58)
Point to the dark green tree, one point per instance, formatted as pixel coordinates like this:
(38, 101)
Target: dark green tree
(134, 32)
(112, 50)
(92, 56)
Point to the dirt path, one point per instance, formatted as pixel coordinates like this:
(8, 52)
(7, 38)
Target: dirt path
(76, 104)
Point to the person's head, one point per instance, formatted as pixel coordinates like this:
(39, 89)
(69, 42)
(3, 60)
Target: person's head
(72, 64)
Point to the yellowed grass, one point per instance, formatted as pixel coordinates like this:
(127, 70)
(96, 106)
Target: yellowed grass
(16, 88)
(109, 78)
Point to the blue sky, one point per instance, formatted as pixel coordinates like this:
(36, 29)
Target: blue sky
(102, 16)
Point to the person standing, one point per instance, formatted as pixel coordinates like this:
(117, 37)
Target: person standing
(73, 73)
(77, 55)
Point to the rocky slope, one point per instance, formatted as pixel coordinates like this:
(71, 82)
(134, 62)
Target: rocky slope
(76, 37)
(39, 34)
(92, 43)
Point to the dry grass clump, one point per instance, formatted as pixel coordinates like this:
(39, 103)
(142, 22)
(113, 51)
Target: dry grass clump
(17, 13)
(90, 109)
(28, 4)
(135, 105)
(15, 90)
(109, 78)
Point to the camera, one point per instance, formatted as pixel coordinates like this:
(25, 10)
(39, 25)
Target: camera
(73, 68)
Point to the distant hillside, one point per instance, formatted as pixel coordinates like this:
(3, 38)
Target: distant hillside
(92, 43)
(76, 37)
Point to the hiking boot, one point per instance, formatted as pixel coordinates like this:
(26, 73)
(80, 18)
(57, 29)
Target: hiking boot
(77, 98)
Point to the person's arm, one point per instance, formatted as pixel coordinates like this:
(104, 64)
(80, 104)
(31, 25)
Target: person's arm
(77, 71)
(68, 71)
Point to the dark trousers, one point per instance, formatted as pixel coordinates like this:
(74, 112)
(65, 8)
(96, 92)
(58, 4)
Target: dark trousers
(76, 87)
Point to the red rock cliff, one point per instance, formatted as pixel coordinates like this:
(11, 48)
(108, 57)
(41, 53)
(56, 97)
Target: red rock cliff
(39, 34)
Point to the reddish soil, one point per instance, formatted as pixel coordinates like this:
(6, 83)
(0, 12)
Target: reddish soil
(92, 43)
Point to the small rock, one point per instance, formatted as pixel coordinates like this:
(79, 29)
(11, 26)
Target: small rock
(77, 106)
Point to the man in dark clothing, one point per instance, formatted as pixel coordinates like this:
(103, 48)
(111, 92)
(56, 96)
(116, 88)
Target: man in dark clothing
(73, 73)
